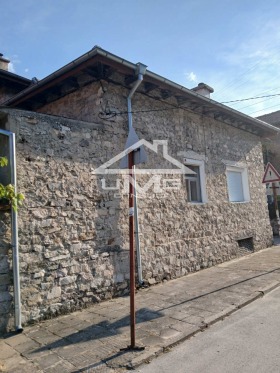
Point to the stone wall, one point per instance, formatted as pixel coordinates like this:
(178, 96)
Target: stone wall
(74, 234)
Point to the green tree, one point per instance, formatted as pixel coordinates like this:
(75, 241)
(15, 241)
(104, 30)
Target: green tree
(7, 192)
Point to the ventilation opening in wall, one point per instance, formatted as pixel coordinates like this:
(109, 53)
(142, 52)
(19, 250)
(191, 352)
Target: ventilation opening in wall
(245, 246)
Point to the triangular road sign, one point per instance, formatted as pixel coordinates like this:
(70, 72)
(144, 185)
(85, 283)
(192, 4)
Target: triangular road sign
(270, 174)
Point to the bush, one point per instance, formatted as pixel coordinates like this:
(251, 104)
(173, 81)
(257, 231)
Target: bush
(7, 192)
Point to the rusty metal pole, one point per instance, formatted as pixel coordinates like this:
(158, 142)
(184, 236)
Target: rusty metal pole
(131, 249)
(274, 190)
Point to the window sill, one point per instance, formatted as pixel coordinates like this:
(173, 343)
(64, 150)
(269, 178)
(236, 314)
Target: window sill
(239, 202)
(197, 203)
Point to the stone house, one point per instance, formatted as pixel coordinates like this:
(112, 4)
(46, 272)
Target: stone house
(10, 83)
(73, 228)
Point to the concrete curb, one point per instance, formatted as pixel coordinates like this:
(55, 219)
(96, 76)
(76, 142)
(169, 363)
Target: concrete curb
(220, 316)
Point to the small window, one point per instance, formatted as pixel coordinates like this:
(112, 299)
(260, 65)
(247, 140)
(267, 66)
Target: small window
(195, 183)
(237, 182)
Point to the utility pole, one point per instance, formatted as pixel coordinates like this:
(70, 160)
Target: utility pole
(131, 249)
(274, 190)
(135, 155)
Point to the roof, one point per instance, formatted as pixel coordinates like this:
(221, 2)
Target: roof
(271, 118)
(100, 64)
(13, 80)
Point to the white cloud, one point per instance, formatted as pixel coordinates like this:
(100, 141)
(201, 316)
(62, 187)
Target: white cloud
(14, 61)
(191, 77)
(250, 69)
(11, 67)
(26, 70)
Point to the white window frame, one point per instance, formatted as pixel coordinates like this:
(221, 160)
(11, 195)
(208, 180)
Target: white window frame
(245, 182)
(201, 165)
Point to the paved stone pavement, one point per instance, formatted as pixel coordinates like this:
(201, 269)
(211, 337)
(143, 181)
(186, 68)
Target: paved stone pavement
(90, 340)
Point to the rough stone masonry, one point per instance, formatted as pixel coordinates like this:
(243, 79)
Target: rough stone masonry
(74, 233)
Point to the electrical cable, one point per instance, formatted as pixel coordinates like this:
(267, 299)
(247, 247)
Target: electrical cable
(111, 114)
(273, 59)
(264, 109)
(250, 98)
(254, 104)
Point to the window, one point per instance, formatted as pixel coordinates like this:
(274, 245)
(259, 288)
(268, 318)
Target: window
(195, 183)
(237, 182)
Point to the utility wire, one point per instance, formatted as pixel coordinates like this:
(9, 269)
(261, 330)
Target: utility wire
(254, 104)
(250, 98)
(264, 109)
(259, 94)
(273, 58)
(233, 82)
(111, 114)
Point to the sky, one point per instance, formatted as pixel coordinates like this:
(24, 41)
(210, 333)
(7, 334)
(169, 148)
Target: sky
(231, 45)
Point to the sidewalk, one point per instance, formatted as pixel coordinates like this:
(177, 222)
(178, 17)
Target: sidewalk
(90, 340)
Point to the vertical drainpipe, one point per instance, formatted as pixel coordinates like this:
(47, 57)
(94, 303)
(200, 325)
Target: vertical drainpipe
(141, 70)
(12, 162)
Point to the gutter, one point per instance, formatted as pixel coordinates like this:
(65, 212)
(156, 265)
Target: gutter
(14, 243)
(97, 51)
(15, 78)
(94, 52)
(205, 100)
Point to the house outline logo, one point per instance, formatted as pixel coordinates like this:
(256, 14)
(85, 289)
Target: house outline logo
(181, 168)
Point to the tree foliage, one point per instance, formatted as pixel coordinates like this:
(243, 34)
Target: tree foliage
(7, 192)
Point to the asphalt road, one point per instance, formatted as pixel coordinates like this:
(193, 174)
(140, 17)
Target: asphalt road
(248, 341)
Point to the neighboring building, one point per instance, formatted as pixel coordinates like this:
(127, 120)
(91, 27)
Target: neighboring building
(10, 84)
(272, 143)
(272, 118)
(73, 230)
(271, 153)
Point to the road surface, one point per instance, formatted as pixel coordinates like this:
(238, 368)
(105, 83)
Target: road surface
(248, 341)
